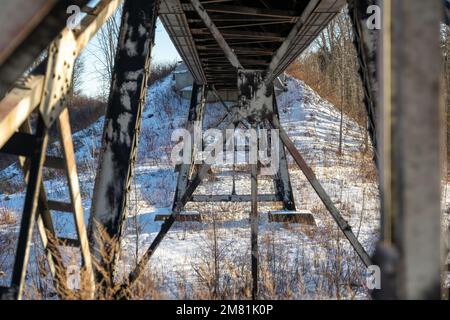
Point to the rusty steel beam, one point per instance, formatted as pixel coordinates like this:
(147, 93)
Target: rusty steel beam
(18, 18)
(29, 210)
(26, 95)
(70, 166)
(37, 158)
(46, 229)
(24, 43)
(17, 106)
(122, 125)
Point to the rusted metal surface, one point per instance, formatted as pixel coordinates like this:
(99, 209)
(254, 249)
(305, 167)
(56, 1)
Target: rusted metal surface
(61, 60)
(313, 20)
(22, 17)
(65, 135)
(17, 106)
(27, 94)
(29, 211)
(56, 84)
(46, 229)
(37, 207)
(44, 20)
(122, 124)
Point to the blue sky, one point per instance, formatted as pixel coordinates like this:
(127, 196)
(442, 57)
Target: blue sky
(163, 51)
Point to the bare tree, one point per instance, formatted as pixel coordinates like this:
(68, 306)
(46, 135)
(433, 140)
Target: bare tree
(104, 51)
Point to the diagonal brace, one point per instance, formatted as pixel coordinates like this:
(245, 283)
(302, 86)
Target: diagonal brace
(307, 171)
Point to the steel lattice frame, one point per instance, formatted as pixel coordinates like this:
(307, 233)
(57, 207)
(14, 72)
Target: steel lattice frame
(209, 37)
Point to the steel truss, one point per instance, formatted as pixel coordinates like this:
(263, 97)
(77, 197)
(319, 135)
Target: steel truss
(403, 161)
(46, 93)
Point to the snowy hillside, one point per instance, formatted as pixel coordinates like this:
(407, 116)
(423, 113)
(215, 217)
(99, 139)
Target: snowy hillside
(296, 261)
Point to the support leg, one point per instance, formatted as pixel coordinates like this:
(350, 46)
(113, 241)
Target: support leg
(282, 181)
(29, 210)
(122, 124)
(307, 171)
(46, 229)
(185, 168)
(254, 230)
(410, 151)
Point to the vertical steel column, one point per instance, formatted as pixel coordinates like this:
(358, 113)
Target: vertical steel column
(366, 42)
(29, 210)
(196, 109)
(254, 230)
(282, 181)
(122, 124)
(411, 251)
(197, 117)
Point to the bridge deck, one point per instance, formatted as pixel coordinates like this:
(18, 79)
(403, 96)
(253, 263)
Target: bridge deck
(263, 34)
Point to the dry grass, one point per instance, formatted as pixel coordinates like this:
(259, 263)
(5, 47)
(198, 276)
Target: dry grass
(7, 217)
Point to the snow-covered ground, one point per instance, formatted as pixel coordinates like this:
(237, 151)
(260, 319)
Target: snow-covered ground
(296, 261)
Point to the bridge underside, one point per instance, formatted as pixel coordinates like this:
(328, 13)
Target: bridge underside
(226, 44)
(254, 30)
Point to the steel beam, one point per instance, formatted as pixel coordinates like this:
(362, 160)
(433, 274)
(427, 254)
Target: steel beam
(312, 21)
(252, 11)
(309, 174)
(196, 110)
(291, 38)
(17, 106)
(366, 42)
(18, 18)
(27, 29)
(254, 226)
(29, 211)
(46, 229)
(26, 95)
(282, 181)
(177, 208)
(122, 125)
(66, 143)
(137, 271)
(231, 56)
(236, 198)
(411, 255)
